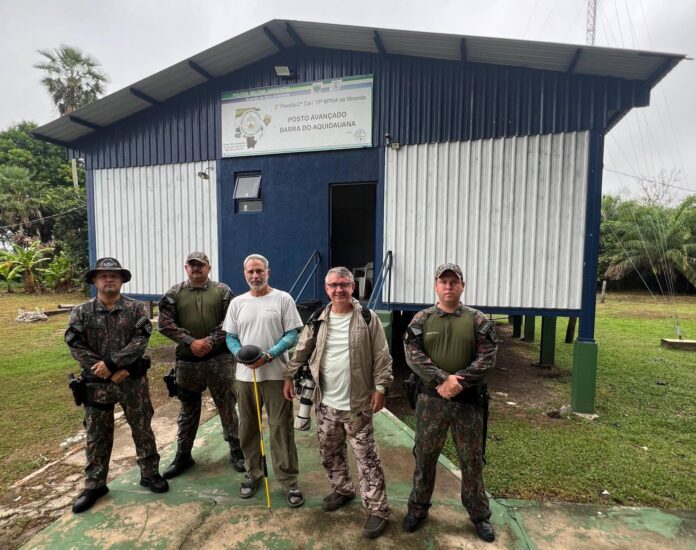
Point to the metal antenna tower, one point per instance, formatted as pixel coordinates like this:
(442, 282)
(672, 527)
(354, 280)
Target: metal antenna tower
(591, 22)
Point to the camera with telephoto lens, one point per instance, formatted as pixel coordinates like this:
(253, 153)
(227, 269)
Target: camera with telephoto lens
(304, 387)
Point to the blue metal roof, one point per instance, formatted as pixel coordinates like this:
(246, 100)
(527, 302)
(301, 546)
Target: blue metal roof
(277, 36)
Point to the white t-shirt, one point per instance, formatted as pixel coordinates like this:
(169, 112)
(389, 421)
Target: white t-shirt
(261, 321)
(335, 363)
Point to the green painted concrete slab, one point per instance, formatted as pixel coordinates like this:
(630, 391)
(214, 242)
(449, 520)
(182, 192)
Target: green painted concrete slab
(202, 510)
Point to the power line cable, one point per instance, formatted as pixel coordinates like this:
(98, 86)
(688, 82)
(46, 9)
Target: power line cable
(42, 219)
(649, 180)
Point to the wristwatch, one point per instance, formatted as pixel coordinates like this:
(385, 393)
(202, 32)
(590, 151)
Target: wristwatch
(380, 388)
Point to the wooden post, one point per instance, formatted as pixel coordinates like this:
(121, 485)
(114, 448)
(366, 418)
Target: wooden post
(529, 322)
(516, 326)
(604, 291)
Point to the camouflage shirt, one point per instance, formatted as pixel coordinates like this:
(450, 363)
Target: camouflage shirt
(117, 336)
(187, 313)
(430, 373)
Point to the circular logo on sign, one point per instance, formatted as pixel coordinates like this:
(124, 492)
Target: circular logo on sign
(360, 134)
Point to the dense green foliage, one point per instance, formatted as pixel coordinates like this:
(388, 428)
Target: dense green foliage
(655, 243)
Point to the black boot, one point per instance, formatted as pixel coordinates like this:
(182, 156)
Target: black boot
(237, 460)
(485, 531)
(181, 463)
(156, 483)
(88, 497)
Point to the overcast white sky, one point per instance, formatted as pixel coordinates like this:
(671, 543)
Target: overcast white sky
(133, 39)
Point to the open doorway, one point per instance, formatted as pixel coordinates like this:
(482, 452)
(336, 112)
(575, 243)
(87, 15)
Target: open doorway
(353, 232)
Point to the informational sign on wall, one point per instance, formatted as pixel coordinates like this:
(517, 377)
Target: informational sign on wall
(308, 116)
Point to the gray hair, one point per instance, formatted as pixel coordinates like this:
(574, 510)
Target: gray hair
(256, 257)
(340, 271)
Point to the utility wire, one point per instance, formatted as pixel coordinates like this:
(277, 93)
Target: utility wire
(649, 180)
(41, 220)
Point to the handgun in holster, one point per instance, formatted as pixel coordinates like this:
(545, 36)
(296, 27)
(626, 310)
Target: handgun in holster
(78, 388)
(170, 380)
(411, 389)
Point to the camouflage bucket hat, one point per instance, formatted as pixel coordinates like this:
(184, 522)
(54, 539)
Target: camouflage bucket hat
(107, 264)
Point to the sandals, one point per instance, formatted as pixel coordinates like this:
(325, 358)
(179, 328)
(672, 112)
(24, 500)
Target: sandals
(295, 498)
(249, 487)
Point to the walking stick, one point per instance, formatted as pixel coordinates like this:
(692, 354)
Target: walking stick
(263, 452)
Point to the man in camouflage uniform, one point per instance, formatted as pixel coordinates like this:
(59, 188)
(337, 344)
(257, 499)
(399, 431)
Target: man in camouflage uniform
(452, 349)
(108, 335)
(349, 358)
(191, 314)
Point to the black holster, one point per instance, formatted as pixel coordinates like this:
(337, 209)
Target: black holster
(411, 389)
(78, 388)
(170, 380)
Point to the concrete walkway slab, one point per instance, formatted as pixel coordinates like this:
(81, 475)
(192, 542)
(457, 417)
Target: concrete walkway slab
(202, 510)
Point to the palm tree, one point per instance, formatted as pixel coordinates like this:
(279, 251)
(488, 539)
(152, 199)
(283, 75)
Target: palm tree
(19, 200)
(658, 240)
(9, 273)
(73, 79)
(28, 260)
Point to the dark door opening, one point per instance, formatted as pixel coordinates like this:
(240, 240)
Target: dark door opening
(353, 232)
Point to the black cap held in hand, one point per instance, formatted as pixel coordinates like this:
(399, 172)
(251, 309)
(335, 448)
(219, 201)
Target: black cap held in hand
(249, 354)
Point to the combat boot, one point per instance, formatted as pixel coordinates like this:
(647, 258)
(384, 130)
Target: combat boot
(181, 463)
(485, 531)
(87, 498)
(237, 460)
(156, 483)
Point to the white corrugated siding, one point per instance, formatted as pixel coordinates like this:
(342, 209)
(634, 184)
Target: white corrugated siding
(151, 217)
(510, 211)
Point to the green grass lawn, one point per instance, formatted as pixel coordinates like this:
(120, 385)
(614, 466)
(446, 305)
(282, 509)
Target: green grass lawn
(36, 408)
(641, 449)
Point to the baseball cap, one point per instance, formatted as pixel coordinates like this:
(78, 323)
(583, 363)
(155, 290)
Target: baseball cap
(199, 257)
(454, 268)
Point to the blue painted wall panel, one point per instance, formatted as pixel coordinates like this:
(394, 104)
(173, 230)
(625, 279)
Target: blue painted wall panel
(415, 100)
(294, 222)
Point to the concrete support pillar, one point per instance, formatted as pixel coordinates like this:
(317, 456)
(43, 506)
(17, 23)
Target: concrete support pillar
(529, 322)
(547, 356)
(583, 388)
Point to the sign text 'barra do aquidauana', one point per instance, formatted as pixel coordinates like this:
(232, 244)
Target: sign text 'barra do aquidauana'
(309, 116)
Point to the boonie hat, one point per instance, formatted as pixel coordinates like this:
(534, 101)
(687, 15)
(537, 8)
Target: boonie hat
(107, 264)
(199, 257)
(249, 354)
(454, 268)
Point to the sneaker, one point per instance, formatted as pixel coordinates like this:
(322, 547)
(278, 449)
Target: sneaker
(336, 500)
(485, 531)
(156, 483)
(87, 498)
(374, 527)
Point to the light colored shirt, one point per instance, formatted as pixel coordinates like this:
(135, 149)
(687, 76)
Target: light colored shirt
(335, 363)
(261, 321)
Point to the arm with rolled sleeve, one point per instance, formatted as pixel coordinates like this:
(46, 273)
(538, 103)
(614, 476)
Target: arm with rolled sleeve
(416, 358)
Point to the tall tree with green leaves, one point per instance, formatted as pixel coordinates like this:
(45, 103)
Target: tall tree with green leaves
(72, 78)
(20, 205)
(653, 240)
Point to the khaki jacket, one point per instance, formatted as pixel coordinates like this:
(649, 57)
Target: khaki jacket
(370, 362)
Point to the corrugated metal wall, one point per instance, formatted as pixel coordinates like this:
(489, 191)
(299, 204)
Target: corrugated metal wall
(150, 218)
(415, 100)
(510, 211)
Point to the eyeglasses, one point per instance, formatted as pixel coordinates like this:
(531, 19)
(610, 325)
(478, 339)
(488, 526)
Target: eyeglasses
(334, 286)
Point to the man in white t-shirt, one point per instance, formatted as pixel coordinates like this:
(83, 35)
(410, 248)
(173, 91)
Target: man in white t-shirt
(267, 318)
(348, 356)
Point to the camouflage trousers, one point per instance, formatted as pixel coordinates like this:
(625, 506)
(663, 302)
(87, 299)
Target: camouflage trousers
(216, 374)
(333, 428)
(434, 416)
(133, 394)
